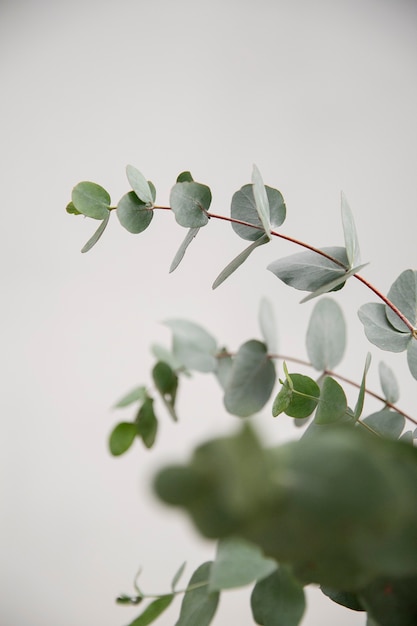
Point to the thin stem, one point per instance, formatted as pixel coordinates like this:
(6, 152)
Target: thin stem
(303, 244)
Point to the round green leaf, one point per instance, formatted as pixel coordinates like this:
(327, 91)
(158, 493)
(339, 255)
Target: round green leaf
(412, 357)
(332, 404)
(189, 202)
(165, 378)
(122, 438)
(378, 329)
(389, 383)
(304, 397)
(386, 423)
(278, 600)
(91, 200)
(193, 346)
(403, 293)
(133, 214)
(244, 208)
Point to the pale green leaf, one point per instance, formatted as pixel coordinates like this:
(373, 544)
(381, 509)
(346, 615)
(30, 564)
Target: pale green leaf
(278, 600)
(386, 423)
(91, 200)
(309, 271)
(326, 335)
(251, 381)
(177, 576)
(268, 325)
(361, 397)
(238, 563)
(193, 346)
(261, 200)
(237, 261)
(350, 234)
(138, 394)
(378, 329)
(412, 357)
(199, 605)
(183, 247)
(190, 202)
(163, 354)
(389, 383)
(403, 293)
(243, 208)
(139, 185)
(133, 213)
(332, 405)
(224, 368)
(334, 284)
(100, 230)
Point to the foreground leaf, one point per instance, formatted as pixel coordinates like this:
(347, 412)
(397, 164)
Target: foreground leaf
(278, 600)
(251, 380)
(199, 605)
(237, 564)
(391, 601)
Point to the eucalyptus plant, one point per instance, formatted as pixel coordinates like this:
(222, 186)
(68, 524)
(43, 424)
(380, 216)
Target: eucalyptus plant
(335, 508)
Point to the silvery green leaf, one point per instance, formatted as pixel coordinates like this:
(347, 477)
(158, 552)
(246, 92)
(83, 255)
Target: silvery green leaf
(139, 185)
(133, 213)
(326, 335)
(361, 397)
(350, 234)
(198, 605)
(237, 261)
(268, 325)
(100, 230)
(183, 247)
(190, 202)
(308, 271)
(162, 354)
(389, 383)
(412, 357)
(403, 293)
(378, 329)
(139, 394)
(193, 345)
(91, 200)
(386, 423)
(244, 208)
(333, 284)
(261, 200)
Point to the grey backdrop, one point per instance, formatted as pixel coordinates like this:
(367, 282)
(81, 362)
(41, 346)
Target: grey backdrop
(322, 96)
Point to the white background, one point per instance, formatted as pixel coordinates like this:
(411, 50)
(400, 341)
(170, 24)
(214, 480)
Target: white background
(322, 96)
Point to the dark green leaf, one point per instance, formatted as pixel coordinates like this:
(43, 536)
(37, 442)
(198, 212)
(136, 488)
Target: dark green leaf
(386, 423)
(303, 397)
(190, 202)
(199, 605)
(351, 237)
(344, 598)
(122, 437)
(70, 208)
(133, 214)
(326, 335)
(237, 261)
(138, 394)
(185, 177)
(193, 346)
(91, 200)
(183, 247)
(153, 611)
(251, 380)
(140, 185)
(332, 405)
(403, 293)
(100, 230)
(146, 423)
(244, 208)
(278, 600)
(389, 383)
(308, 271)
(166, 381)
(378, 329)
(392, 601)
(237, 564)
